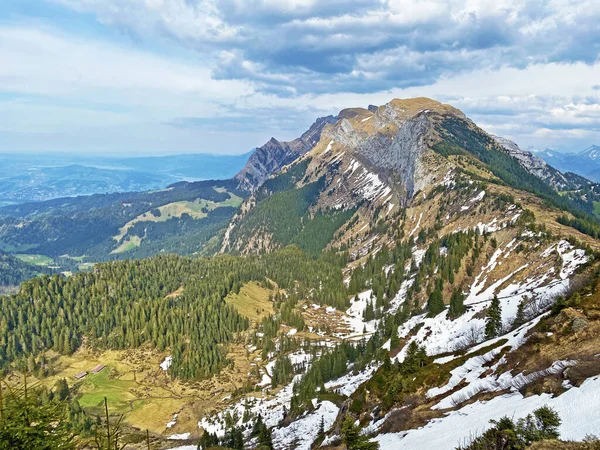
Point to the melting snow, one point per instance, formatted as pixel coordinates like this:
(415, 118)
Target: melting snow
(355, 316)
(349, 383)
(166, 363)
(440, 334)
(416, 226)
(172, 423)
(179, 437)
(301, 433)
(578, 409)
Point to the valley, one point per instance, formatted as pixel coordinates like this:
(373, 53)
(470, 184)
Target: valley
(40, 177)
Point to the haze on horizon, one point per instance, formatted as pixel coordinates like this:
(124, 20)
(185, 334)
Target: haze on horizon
(140, 77)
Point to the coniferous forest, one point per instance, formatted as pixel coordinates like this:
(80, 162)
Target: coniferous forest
(125, 304)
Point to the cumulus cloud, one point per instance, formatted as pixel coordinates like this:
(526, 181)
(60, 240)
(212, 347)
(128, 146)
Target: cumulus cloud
(191, 69)
(395, 42)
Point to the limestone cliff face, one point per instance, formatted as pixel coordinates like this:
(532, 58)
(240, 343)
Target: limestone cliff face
(383, 153)
(371, 160)
(365, 158)
(274, 155)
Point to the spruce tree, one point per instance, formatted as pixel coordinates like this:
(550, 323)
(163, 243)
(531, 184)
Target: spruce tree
(394, 339)
(493, 325)
(30, 421)
(520, 318)
(321, 428)
(264, 438)
(457, 306)
(352, 438)
(435, 304)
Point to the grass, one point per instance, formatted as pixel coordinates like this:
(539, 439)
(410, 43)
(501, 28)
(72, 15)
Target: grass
(85, 266)
(252, 301)
(36, 260)
(129, 244)
(97, 386)
(176, 210)
(136, 387)
(147, 400)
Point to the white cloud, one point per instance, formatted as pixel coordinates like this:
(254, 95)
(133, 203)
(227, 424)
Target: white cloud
(68, 88)
(199, 20)
(47, 62)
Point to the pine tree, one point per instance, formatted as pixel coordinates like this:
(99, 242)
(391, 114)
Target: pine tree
(457, 306)
(394, 339)
(435, 304)
(352, 438)
(258, 424)
(28, 421)
(321, 428)
(416, 357)
(493, 325)
(62, 389)
(520, 318)
(369, 313)
(264, 438)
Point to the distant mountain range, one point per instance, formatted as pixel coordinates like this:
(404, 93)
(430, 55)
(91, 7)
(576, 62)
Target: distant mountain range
(585, 163)
(33, 177)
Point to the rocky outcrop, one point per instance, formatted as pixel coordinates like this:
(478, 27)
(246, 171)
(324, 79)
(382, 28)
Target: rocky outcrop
(537, 166)
(275, 154)
(375, 159)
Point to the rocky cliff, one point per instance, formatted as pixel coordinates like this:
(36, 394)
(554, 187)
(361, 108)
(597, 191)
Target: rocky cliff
(275, 154)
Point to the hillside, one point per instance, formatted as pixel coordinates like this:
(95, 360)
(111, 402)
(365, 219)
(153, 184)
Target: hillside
(395, 276)
(70, 232)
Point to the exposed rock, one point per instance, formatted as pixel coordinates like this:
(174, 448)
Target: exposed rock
(539, 167)
(275, 154)
(578, 324)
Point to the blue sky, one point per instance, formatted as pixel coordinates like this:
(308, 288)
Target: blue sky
(223, 76)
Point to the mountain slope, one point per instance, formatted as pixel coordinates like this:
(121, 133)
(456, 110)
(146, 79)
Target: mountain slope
(585, 163)
(14, 271)
(382, 159)
(182, 218)
(540, 169)
(274, 155)
(438, 206)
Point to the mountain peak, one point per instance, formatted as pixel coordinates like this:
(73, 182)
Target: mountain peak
(413, 106)
(592, 152)
(275, 154)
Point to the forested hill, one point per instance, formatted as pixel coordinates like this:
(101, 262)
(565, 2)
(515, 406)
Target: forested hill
(180, 219)
(126, 304)
(14, 271)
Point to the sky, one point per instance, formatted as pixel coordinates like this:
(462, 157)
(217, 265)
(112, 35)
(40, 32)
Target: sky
(223, 76)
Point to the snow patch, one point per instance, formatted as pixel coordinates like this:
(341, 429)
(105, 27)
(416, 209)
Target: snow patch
(166, 363)
(577, 407)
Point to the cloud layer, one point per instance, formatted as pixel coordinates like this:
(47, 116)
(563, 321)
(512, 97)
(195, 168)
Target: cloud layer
(223, 75)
